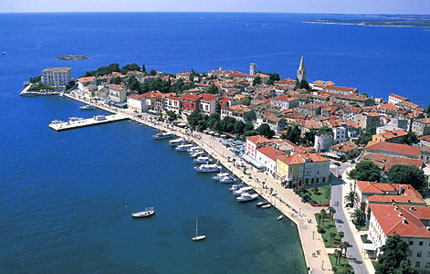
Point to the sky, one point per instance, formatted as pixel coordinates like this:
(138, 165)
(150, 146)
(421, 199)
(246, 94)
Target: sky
(281, 6)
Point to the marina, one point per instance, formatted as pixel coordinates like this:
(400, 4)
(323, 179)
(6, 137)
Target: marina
(74, 122)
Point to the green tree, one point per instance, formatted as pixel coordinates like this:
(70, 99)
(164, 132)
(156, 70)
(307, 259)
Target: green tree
(130, 67)
(407, 175)
(172, 115)
(337, 254)
(250, 116)
(332, 212)
(393, 257)
(257, 81)
(249, 126)
(115, 80)
(309, 137)
(264, 129)
(293, 134)
(239, 127)
(144, 68)
(245, 101)
(152, 72)
(365, 138)
(325, 130)
(194, 118)
(350, 199)
(212, 89)
(411, 138)
(344, 246)
(366, 171)
(359, 217)
(36, 79)
(428, 109)
(133, 84)
(323, 215)
(70, 84)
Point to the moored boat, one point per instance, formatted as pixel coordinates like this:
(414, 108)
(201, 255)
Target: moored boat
(220, 175)
(161, 135)
(280, 217)
(260, 204)
(242, 190)
(227, 180)
(176, 142)
(202, 160)
(86, 107)
(246, 197)
(148, 212)
(198, 237)
(236, 187)
(197, 154)
(183, 147)
(266, 205)
(206, 168)
(193, 149)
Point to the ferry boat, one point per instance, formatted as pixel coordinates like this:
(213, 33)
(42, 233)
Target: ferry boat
(227, 180)
(206, 168)
(242, 190)
(236, 187)
(148, 212)
(197, 154)
(161, 135)
(176, 142)
(183, 147)
(86, 107)
(202, 160)
(220, 175)
(246, 197)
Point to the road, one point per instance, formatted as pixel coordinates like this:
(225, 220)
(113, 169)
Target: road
(353, 252)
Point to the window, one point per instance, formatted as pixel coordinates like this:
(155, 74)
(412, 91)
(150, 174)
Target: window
(421, 243)
(419, 254)
(417, 264)
(427, 265)
(428, 254)
(411, 242)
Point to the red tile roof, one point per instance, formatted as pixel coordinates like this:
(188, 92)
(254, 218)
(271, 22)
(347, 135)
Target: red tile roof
(190, 97)
(398, 97)
(271, 152)
(387, 161)
(393, 148)
(375, 188)
(208, 97)
(284, 97)
(258, 139)
(140, 97)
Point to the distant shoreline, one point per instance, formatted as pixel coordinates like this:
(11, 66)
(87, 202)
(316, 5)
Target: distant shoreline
(364, 24)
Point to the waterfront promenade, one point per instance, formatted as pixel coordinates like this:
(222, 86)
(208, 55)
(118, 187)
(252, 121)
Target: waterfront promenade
(285, 200)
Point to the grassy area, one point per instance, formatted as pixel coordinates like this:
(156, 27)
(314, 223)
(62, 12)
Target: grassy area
(321, 195)
(362, 228)
(328, 232)
(342, 266)
(365, 240)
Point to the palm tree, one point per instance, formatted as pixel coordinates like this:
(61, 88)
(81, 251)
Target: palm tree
(332, 235)
(332, 212)
(337, 254)
(350, 199)
(345, 246)
(323, 215)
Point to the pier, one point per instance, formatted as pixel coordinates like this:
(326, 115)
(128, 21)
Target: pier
(96, 120)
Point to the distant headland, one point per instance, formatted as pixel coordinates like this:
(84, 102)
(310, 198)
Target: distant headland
(72, 57)
(374, 22)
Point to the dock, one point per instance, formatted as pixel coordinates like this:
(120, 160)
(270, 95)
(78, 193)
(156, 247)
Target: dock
(96, 120)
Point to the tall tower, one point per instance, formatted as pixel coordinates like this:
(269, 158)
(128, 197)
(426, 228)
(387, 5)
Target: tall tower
(301, 71)
(252, 69)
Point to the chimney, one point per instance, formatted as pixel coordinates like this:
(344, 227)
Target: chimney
(400, 214)
(396, 208)
(404, 221)
(428, 228)
(412, 207)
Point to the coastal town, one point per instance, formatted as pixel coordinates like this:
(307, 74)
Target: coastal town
(349, 169)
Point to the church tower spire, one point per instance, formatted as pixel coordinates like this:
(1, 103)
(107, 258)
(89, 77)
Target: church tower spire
(301, 71)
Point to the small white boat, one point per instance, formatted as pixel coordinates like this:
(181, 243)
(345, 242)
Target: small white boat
(242, 190)
(236, 187)
(193, 149)
(148, 212)
(266, 206)
(220, 175)
(197, 154)
(183, 147)
(227, 180)
(86, 107)
(202, 160)
(176, 142)
(260, 204)
(198, 237)
(246, 197)
(206, 168)
(280, 217)
(161, 136)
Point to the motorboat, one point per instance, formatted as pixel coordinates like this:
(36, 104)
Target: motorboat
(148, 212)
(242, 190)
(176, 142)
(280, 217)
(246, 197)
(198, 237)
(202, 160)
(206, 168)
(162, 135)
(193, 149)
(86, 107)
(260, 204)
(183, 147)
(197, 154)
(227, 180)
(220, 175)
(236, 187)
(266, 205)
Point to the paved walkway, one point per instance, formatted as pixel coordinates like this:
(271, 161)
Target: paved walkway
(285, 200)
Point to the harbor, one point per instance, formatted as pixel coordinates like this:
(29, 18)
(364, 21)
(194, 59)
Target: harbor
(284, 200)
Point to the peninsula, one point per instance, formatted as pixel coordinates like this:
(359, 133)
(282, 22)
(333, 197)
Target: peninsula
(373, 22)
(72, 57)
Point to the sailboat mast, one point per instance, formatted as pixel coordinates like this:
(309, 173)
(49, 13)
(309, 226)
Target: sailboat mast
(197, 228)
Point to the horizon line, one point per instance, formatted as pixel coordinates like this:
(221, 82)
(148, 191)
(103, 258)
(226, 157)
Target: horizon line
(228, 12)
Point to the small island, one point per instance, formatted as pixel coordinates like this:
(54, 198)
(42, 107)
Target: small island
(374, 22)
(72, 57)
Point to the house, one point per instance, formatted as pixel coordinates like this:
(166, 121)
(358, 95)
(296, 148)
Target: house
(173, 103)
(395, 136)
(340, 90)
(393, 149)
(190, 103)
(237, 112)
(275, 121)
(344, 149)
(395, 99)
(85, 81)
(421, 126)
(117, 93)
(310, 110)
(56, 77)
(411, 223)
(285, 102)
(254, 142)
(154, 100)
(340, 135)
(137, 102)
(136, 74)
(267, 156)
(208, 104)
(368, 121)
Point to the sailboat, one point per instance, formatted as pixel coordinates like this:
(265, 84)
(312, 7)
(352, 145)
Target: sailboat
(198, 237)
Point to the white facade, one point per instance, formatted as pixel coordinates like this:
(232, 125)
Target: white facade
(323, 142)
(340, 135)
(137, 104)
(57, 77)
(316, 172)
(395, 99)
(251, 149)
(173, 104)
(207, 107)
(285, 103)
(117, 96)
(269, 164)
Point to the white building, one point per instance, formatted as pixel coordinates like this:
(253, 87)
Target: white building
(208, 104)
(411, 223)
(322, 142)
(395, 99)
(57, 77)
(117, 93)
(254, 142)
(173, 104)
(267, 156)
(340, 135)
(137, 102)
(317, 170)
(284, 102)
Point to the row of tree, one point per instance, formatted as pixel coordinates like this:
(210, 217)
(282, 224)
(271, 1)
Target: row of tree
(101, 71)
(227, 125)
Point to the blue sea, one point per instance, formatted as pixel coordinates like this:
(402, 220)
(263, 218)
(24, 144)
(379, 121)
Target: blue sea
(66, 197)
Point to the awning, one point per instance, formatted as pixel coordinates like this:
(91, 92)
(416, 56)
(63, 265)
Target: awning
(333, 155)
(252, 161)
(369, 247)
